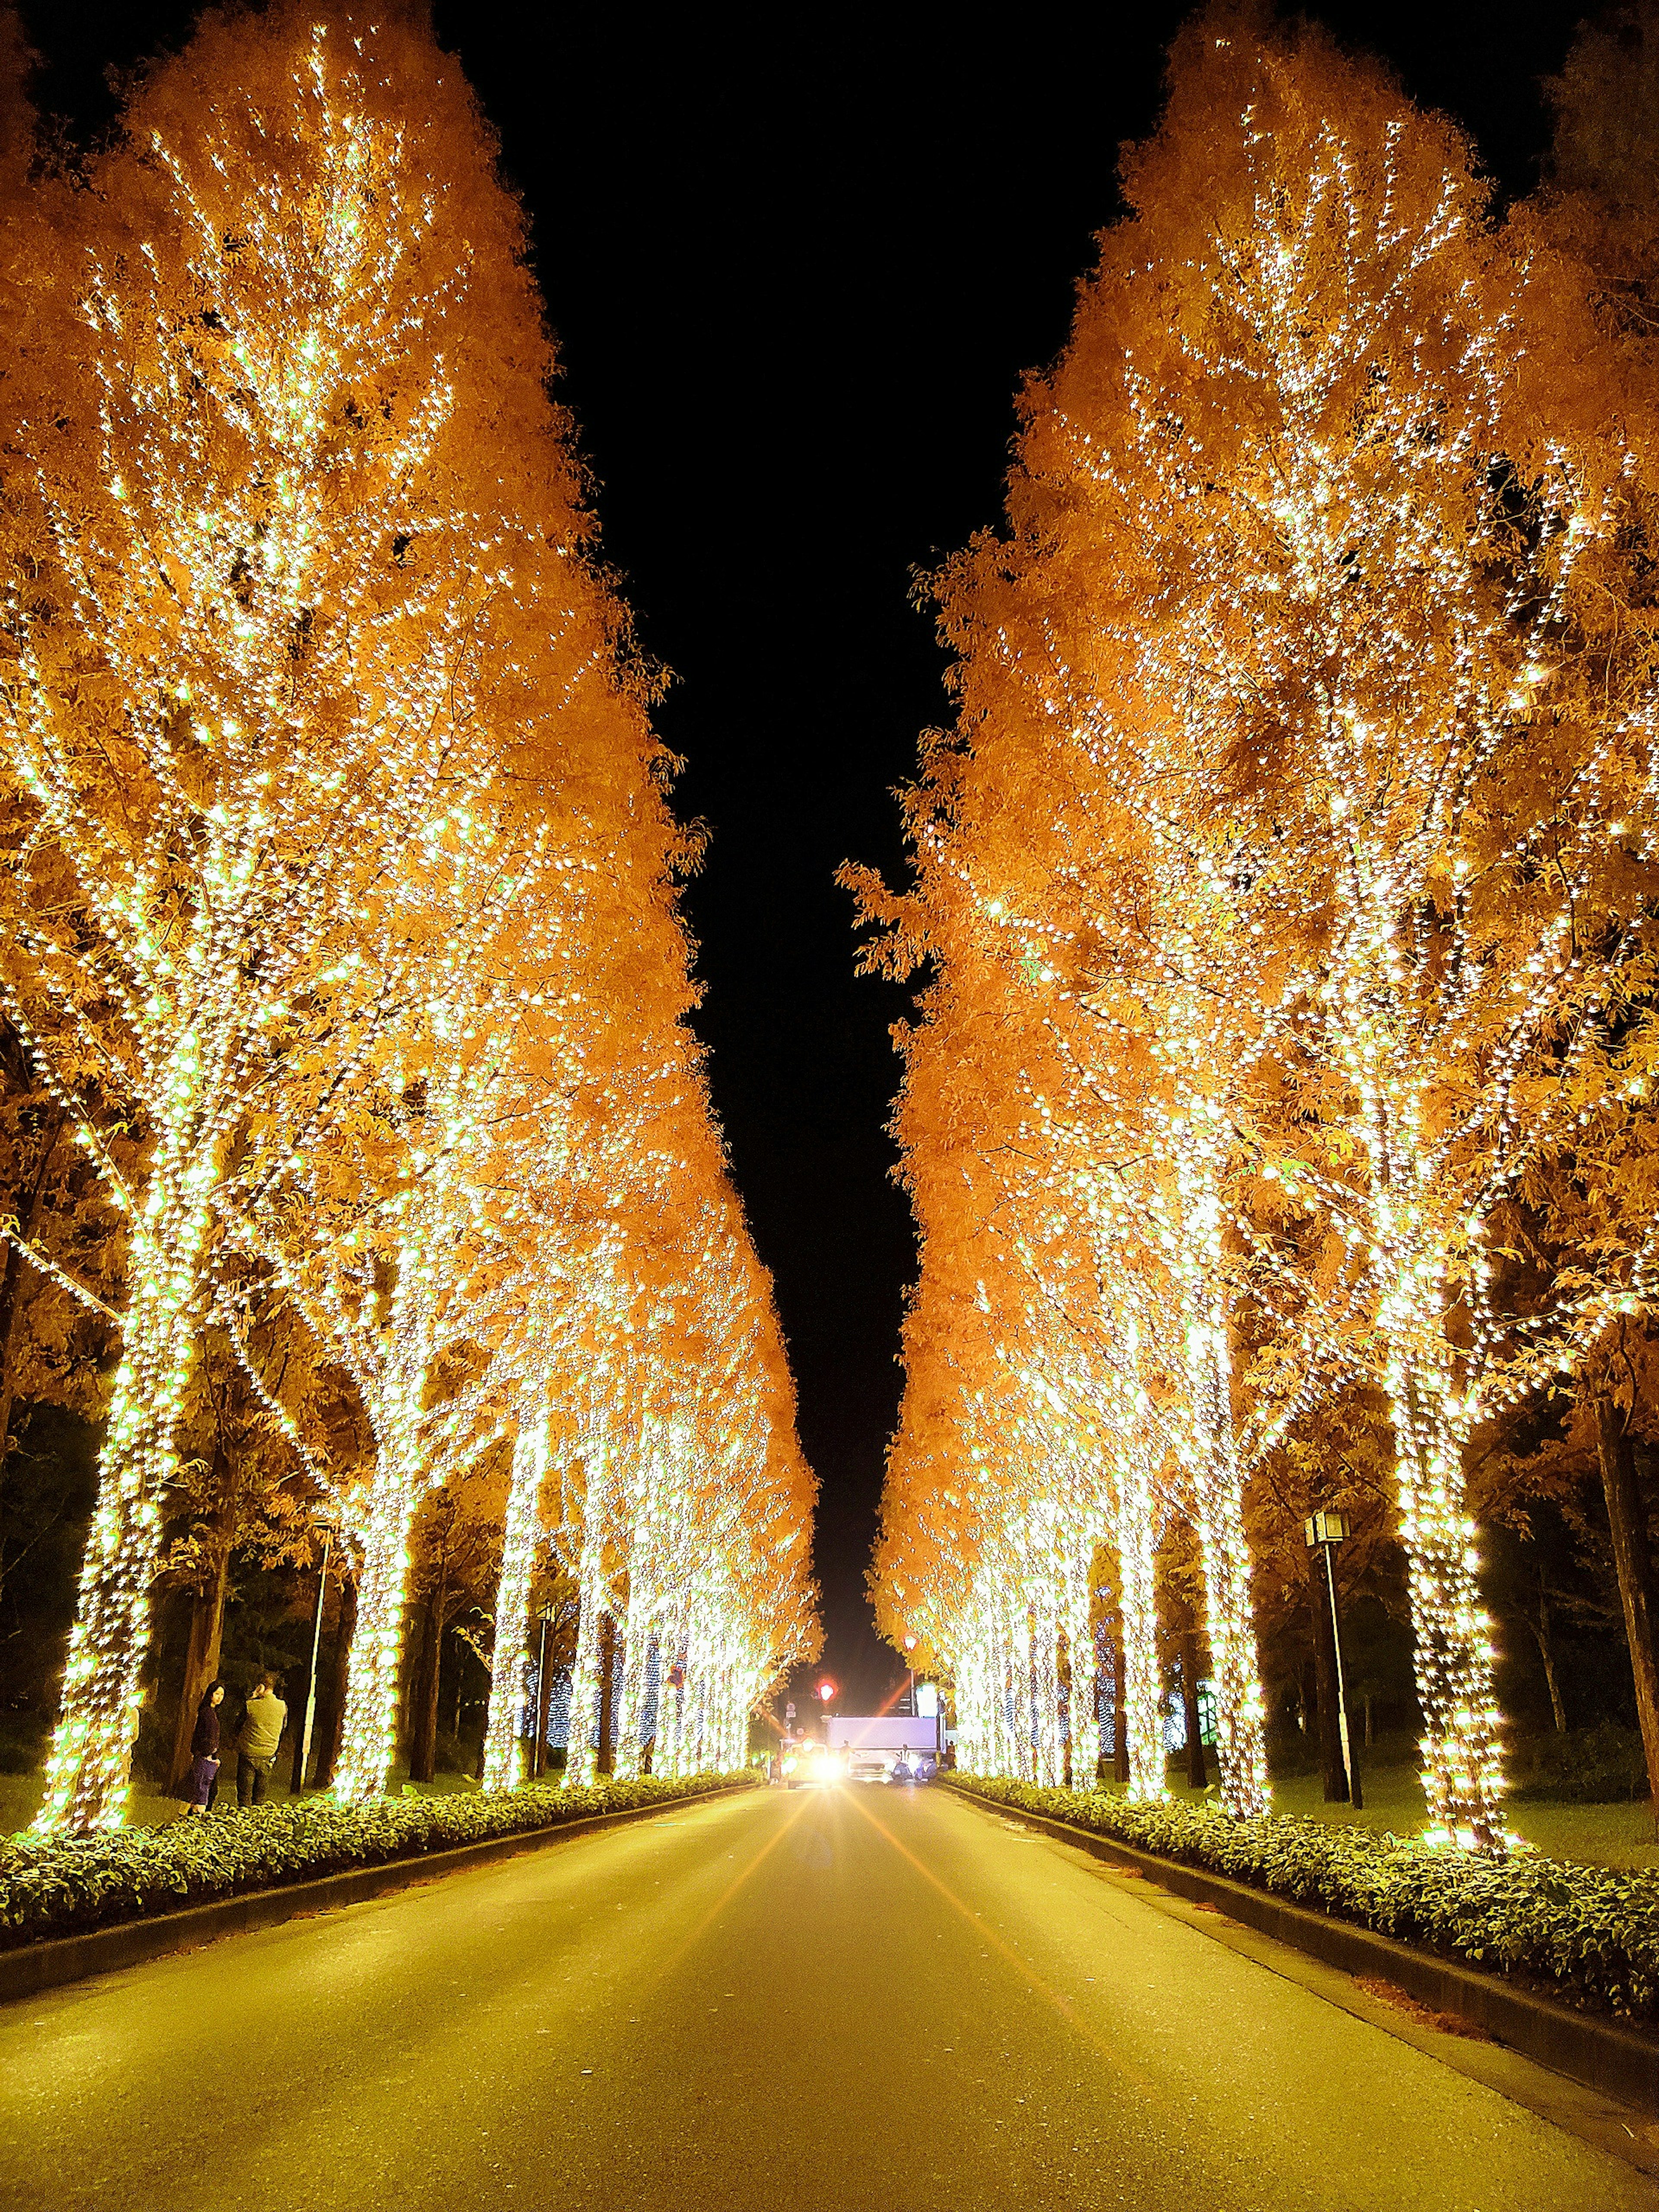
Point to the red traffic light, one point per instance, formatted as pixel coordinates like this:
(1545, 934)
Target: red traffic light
(826, 1689)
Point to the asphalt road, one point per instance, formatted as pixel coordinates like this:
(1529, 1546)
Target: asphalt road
(861, 2000)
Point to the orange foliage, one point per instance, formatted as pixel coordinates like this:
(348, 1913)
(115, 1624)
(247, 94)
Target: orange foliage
(1287, 877)
(336, 852)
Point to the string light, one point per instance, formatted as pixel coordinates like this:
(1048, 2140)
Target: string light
(339, 865)
(1270, 887)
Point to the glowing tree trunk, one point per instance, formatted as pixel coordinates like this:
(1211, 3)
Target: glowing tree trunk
(1137, 1548)
(722, 1729)
(968, 1722)
(580, 1757)
(666, 1757)
(1082, 1706)
(626, 1757)
(1462, 1760)
(651, 1704)
(989, 1755)
(509, 1684)
(703, 1741)
(1006, 1695)
(691, 1706)
(87, 1770)
(1045, 1692)
(1241, 1716)
(715, 1723)
(1219, 1495)
(1462, 1776)
(369, 1744)
(1017, 1699)
(979, 1752)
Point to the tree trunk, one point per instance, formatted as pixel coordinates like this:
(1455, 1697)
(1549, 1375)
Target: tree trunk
(423, 1690)
(1120, 1713)
(1063, 1680)
(544, 1708)
(1197, 1771)
(374, 1717)
(1541, 1637)
(607, 1690)
(1463, 1758)
(1331, 1767)
(207, 1626)
(90, 1764)
(506, 1756)
(1634, 1560)
(333, 1728)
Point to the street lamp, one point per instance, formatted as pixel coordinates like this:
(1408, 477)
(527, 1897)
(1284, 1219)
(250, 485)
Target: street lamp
(909, 1653)
(303, 1738)
(1324, 1530)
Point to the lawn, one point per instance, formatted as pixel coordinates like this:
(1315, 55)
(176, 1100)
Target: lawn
(1619, 1835)
(20, 1794)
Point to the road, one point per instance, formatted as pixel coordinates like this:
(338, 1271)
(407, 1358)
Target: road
(858, 1999)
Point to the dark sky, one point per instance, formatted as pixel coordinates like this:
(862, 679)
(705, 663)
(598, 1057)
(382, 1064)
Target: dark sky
(796, 260)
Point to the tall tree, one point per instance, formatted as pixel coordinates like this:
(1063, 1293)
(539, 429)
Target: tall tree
(1300, 746)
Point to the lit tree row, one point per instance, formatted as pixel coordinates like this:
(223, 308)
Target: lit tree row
(1288, 878)
(338, 874)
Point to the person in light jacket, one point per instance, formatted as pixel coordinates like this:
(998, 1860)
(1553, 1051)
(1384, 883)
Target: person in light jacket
(202, 1782)
(256, 1741)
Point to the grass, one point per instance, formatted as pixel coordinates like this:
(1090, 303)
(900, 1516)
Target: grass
(1618, 1835)
(146, 1808)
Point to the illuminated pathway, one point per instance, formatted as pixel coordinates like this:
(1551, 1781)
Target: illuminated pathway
(866, 2000)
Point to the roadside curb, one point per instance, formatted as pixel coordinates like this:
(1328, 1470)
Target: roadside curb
(1621, 2062)
(32, 1968)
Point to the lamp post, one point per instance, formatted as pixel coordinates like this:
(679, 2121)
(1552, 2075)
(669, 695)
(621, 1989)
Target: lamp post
(302, 1740)
(909, 1653)
(1324, 1530)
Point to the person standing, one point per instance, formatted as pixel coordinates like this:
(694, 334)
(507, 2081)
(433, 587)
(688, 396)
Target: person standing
(256, 1741)
(202, 1783)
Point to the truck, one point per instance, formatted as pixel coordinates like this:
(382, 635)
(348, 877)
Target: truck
(888, 1746)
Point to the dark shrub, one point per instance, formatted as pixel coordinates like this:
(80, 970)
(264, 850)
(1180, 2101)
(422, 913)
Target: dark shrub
(61, 1888)
(1601, 1766)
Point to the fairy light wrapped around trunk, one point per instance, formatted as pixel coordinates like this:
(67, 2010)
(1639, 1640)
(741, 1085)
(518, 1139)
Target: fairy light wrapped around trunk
(342, 853)
(1135, 1532)
(1293, 841)
(510, 1670)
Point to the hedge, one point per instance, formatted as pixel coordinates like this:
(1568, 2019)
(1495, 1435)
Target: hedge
(1591, 1933)
(62, 1888)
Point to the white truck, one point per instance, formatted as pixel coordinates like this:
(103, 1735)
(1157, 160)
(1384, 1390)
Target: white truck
(888, 1747)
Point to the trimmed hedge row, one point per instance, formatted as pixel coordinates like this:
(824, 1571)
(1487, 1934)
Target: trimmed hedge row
(64, 1888)
(1591, 1933)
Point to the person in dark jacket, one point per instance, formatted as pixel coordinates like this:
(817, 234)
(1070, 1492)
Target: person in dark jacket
(202, 1782)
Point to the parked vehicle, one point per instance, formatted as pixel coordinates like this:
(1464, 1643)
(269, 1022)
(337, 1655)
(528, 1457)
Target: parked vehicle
(889, 1748)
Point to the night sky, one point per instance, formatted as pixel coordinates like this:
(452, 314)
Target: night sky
(796, 261)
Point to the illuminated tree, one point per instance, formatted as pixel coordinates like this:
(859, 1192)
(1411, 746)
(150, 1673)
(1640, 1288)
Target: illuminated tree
(1300, 780)
(337, 857)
